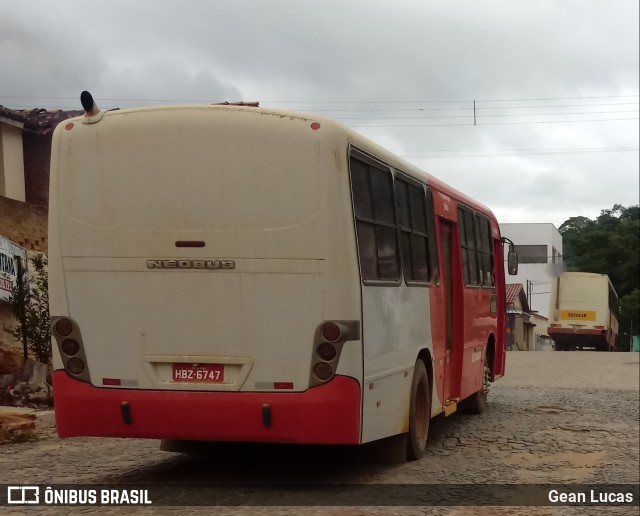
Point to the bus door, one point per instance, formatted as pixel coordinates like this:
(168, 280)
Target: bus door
(448, 268)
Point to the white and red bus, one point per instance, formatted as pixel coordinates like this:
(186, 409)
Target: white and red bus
(233, 273)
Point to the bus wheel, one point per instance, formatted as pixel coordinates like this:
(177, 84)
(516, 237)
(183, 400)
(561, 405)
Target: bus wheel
(419, 412)
(477, 403)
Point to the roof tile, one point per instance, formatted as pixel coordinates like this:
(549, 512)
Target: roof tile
(38, 120)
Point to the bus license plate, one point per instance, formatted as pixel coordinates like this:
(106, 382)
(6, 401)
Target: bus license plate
(198, 373)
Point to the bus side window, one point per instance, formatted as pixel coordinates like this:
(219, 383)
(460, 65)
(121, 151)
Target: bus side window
(372, 188)
(485, 255)
(468, 251)
(414, 237)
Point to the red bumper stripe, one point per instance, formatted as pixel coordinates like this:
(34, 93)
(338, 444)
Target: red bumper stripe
(329, 414)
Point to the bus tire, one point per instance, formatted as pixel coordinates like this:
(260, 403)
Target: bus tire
(477, 403)
(419, 412)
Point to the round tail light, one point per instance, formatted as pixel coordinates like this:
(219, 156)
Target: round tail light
(75, 366)
(64, 327)
(323, 371)
(70, 347)
(331, 331)
(327, 351)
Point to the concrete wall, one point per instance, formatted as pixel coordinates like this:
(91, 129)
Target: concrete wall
(540, 274)
(11, 162)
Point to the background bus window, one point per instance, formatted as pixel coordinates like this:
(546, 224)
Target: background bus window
(375, 221)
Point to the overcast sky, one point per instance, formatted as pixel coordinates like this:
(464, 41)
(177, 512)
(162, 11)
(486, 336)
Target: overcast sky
(555, 82)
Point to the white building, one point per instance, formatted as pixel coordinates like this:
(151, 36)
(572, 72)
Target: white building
(539, 248)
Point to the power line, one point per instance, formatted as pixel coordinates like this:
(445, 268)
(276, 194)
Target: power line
(479, 108)
(495, 123)
(516, 150)
(486, 116)
(440, 101)
(445, 156)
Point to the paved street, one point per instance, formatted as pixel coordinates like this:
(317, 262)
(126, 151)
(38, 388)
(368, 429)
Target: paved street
(556, 418)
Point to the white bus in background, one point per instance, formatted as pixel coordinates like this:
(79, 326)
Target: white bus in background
(583, 312)
(232, 273)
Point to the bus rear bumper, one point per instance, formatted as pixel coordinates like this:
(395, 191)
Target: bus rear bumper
(328, 414)
(574, 331)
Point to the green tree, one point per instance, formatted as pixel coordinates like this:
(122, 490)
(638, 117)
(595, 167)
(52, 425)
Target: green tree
(629, 319)
(30, 301)
(610, 245)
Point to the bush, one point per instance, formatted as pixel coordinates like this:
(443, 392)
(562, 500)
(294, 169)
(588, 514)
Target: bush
(30, 301)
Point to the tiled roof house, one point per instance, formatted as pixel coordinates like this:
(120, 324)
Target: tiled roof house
(519, 326)
(25, 152)
(515, 295)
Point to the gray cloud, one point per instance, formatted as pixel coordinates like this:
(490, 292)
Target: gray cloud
(162, 51)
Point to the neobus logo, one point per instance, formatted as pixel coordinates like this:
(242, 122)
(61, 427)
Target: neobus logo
(191, 264)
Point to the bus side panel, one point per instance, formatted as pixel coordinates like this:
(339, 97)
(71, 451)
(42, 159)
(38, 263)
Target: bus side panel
(57, 295)
(396, 326)
(479, 324)
(500, 334)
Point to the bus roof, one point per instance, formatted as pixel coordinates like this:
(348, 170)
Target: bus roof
(360, 141)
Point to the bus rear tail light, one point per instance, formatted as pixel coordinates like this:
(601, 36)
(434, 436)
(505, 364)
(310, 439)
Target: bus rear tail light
(329, 339)
(75, 366)
(327, 351)
(70, 347)
(323, 371)
(331, 331)
(69, 340)
(63, 327)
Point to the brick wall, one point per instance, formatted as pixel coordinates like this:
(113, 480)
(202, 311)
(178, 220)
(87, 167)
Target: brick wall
(24, 223)
(37, 157)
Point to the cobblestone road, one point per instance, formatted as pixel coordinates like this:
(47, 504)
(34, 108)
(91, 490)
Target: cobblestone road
(566, 418)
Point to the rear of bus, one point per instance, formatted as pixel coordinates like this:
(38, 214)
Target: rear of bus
(200, 287)
(579, 315)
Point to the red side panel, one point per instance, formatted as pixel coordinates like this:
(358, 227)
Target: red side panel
(501, 327)
(329, 414)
